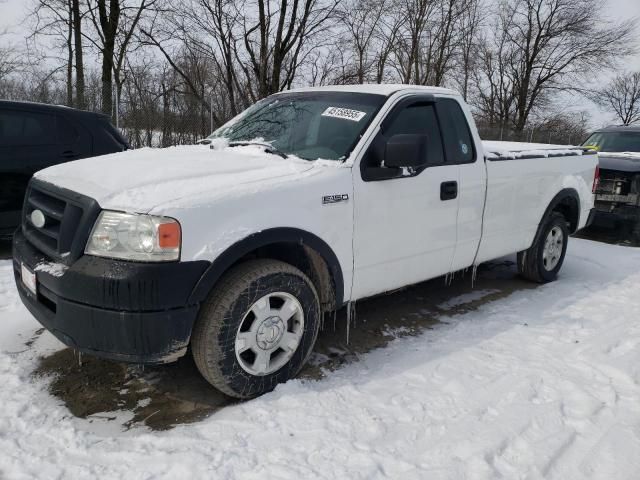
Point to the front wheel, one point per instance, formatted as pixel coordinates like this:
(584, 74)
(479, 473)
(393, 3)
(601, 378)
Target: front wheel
(543, 260)
(257, 328)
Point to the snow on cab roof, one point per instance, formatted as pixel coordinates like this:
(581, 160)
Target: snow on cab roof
(380, 89)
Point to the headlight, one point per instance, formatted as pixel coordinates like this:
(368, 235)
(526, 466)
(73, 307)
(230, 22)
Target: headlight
(128, 236)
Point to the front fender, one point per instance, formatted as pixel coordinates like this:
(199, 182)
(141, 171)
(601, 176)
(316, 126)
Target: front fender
(261, 239)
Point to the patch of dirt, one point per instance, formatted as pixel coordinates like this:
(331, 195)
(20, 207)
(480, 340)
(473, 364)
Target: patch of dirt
(162, 397)
(409, 311)
(159, 397)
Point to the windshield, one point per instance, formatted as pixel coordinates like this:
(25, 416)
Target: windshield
(614, 141)
(309, 125)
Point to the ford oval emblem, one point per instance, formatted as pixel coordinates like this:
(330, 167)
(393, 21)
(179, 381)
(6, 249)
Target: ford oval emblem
(38, 219)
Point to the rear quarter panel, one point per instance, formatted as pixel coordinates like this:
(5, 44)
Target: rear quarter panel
(519, 192)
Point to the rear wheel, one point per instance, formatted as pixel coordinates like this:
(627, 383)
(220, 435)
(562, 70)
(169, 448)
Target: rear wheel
(257, 328)
(543, 260)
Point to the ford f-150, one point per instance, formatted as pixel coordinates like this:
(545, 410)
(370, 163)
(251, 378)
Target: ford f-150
(309, 200)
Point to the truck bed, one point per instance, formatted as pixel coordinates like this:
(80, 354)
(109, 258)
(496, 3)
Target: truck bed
(519, 190)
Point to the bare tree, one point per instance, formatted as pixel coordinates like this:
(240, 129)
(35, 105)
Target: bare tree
(554, 44)
(76, 22)
(445, 40)
(180, 68)
(279, 39)
(9, 59)
(386, 36)
(416, 15)
(622, 95)
(106, 23)
(206, 29)
(494, 86)
(54, 20)
(362, 19)
(429, 39)
(470, 25)
(189, 39)
(115, 25)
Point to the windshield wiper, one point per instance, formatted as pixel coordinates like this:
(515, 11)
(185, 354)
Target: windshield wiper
(267, 147)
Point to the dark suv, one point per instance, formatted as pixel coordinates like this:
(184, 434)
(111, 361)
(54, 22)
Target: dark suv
(34, 136)
(617, 199)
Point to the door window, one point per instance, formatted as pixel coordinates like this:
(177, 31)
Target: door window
(417, 118)
(458, 142)
(19, 128)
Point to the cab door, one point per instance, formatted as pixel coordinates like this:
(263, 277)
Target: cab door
(405, 221)
(74, 141)
(460, 142)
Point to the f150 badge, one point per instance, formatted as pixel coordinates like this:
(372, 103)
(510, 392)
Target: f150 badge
(341, 197)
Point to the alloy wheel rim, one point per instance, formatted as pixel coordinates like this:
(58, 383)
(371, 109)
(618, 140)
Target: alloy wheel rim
(552, 250)
(269, 333)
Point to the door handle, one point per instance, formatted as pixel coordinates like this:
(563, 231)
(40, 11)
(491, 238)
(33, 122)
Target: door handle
(448, 190)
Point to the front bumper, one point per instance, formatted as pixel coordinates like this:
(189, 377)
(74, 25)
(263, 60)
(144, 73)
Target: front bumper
(125, 311)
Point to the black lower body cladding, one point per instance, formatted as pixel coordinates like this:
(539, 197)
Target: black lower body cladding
(126, 311)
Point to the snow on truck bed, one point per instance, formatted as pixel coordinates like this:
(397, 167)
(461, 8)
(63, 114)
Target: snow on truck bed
(542, 384)
(513, 150)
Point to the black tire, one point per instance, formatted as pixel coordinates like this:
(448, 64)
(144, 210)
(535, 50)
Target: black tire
(221, 316)
(531, 262)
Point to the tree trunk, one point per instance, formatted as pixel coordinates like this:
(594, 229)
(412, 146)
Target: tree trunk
(107, 80)
(77, 33)
(69, 58)
(109, 25)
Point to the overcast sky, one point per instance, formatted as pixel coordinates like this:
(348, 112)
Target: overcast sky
(13, 13)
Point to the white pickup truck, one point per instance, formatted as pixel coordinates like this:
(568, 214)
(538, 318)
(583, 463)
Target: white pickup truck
(307, 201)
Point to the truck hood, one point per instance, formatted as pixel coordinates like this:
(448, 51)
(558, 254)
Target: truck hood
(622, 162)
(140, 180)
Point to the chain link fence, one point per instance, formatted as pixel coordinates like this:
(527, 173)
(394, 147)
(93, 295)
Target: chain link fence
(171, 117)
(558, 135)
(174, 119)
(147, 126)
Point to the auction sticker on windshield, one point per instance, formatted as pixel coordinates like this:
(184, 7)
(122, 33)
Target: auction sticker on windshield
(345, 113)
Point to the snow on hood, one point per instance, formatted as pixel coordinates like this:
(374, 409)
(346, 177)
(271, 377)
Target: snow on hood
(139, 180)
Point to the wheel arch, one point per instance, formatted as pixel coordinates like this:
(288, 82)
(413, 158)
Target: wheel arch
(566, 202)
(300, 248)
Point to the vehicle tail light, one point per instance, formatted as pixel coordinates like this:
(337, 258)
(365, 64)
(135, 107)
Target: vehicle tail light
(596, 180)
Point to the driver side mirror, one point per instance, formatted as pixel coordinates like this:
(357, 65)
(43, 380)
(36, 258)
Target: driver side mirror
(406, 151)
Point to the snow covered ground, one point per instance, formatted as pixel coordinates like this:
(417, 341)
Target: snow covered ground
(542, 384)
